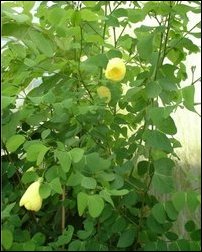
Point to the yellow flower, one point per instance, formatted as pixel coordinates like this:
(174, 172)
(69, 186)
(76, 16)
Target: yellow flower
(31, 199)
(115, 70)
(104, 92)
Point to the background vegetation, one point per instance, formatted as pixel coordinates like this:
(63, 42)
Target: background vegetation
(107, 168)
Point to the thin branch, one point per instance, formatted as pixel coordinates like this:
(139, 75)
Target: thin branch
(63, 211)
(103, 36)
(193, 82)
(169, 49)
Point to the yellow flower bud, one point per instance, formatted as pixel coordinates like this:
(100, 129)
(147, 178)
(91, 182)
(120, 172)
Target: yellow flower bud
(104, 92)
(31, 199)
(115, 70)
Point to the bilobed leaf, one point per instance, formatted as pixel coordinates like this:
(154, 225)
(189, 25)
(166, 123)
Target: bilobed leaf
(120, 13)
(170, 210)
(64, 159)
(153, 89)
(7, 210)
(82, 202)
(76, 154)
(43, 44)
(45, 133)
(88, 183)
(95, 205)
(145, 46)
(115, 192)
(159, 213)
(88, 15)
(42, 154)
(6, 101)
(95, 163)
(56, 185)
(188, 96)
(163, 179)
(127, 238)
(192, 200)
(66, 237)
(29, 176)
(179, 200)
(74, 179)
(135, 16)
(158, 140)
(106, 196)
(14, 142)
(56, 16)
(44, 190)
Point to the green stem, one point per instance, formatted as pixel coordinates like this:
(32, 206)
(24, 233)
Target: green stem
(103, 36)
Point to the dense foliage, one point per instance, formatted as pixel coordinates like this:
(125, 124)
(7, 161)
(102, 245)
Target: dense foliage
(97, 156)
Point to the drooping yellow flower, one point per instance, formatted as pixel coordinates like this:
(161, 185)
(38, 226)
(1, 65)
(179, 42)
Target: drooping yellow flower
(115, 70)
(104, 92)
(31, 199)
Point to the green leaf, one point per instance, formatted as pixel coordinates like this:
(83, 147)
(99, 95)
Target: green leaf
(188, 96)
(56, 185)
(43, 44)
(39, 238)
(7, 210)
(163, 178)
(106, 196)
(44, 190)
(82, 202)
(66, 237)
(29, 246)
(19, 18)
(135, 16)
(190, 226)
(77, 245)
(14, 142)
(64, 159)
(6, 101)
(159, 213)
(120, 13)
(196, 235)
(41, 155)
(95, 163)
(145, 46)
(192, 200)
(153, 89)
(56, 16)
(119, 225)
(7, 238)
(142, 167)
(33, 151)
(76, 154)
(88, 183)
(29, 177)
(127, 238)
(95, 205)
(160, 117)
(179, 200)
(170, 210)
(183, 245)
(171, 236)
(157, 140)
(115, 192)
(45, 133)
(74, 179)
(88, 15)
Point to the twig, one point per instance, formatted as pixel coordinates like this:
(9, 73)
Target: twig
(169, 49)
(103, 36)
